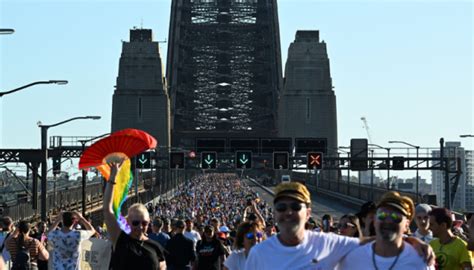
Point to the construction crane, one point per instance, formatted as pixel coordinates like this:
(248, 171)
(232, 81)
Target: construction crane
(369, 137)
(366, 126)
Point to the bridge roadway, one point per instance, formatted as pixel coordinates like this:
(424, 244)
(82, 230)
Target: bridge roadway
(320, 205)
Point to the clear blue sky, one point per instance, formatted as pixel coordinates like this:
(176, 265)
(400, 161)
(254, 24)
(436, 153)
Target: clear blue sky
(406, 66)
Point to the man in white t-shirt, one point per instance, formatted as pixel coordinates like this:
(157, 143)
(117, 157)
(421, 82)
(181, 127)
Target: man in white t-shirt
(190, 233)
(389, 250)
(294, 247)
(422, 220)
(66, 241)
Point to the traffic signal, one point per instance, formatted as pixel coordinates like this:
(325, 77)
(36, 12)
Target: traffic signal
(314, 160)
(177, 160)
(359, 155)
(243, 159)
(398, 163)
(280, 160)
(143, 160)
(208, 160)
(56, 165)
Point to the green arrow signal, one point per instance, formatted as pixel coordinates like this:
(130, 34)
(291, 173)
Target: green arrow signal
(209, 160)
(243, 160)
(142, 159)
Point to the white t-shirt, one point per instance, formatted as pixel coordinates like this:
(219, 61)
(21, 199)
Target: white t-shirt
(361, 258)
(426, 238)
(236, 260)
(66, 248)
(317, 251)
(193, 235)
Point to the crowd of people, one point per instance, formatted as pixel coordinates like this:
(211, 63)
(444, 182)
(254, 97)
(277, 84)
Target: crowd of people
(217, 221)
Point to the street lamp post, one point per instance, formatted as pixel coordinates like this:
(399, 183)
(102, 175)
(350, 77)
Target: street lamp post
(60, 82)
(348, 167)
(44, 163)
(387, 162)
(84, 172)
(417, 155)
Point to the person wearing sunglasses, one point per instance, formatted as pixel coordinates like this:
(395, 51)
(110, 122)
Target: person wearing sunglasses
(389, 250)
(349, 226)
(248, 235)
(134, 250)
(293, 247)
(422, 221)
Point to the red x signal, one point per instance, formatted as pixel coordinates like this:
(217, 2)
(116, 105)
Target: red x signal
(315, 160)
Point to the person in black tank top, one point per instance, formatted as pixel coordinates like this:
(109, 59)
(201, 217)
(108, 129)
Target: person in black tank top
(134, 250)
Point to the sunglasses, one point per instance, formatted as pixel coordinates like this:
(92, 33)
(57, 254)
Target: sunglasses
(144, 223)
(382, 215)
(252, 235)
(282, 207)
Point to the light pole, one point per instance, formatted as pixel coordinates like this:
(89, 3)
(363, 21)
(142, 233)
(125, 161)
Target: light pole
(417, 153)
(6, 31)
(387, 162)
(44, 163)
(60, 82)
(84, 172)
(348, 167)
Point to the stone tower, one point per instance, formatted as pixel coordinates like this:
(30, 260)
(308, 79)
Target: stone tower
(307, 105)
(141, 99)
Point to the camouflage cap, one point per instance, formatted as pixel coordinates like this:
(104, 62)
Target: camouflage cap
(402, 203)
(293, 190)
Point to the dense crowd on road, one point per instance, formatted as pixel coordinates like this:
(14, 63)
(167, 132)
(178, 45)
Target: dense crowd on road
(217, 221)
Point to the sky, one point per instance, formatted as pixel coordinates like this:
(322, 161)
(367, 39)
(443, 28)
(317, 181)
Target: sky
(406, 66)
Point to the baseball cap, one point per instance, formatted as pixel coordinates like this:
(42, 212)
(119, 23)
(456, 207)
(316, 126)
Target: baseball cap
(422, 208)
(403, 204)
(224, 229)
(293, 190)
(221, 235)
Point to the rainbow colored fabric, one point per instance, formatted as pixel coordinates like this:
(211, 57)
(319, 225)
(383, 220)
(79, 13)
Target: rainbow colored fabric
(123, 182)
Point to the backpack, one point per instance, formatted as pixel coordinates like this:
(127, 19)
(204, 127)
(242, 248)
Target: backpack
(22, 260)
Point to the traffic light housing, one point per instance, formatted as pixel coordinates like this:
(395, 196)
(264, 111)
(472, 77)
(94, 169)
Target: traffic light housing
(176, 160)
(143, 160)
(243, 159)
(208, 160)
(398, 163)
(280, 160)
(56, 165)
(314, 160)
(359, 155)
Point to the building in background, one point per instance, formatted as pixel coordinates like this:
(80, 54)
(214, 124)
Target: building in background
(140, 99)
(464, 197)
(307, 105)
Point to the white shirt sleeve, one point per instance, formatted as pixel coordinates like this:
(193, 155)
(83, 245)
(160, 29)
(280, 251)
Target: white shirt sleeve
(343, 244)
(85, 234)
(252, 260)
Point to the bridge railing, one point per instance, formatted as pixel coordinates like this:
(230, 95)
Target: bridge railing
(361, 192)
(69, 198)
